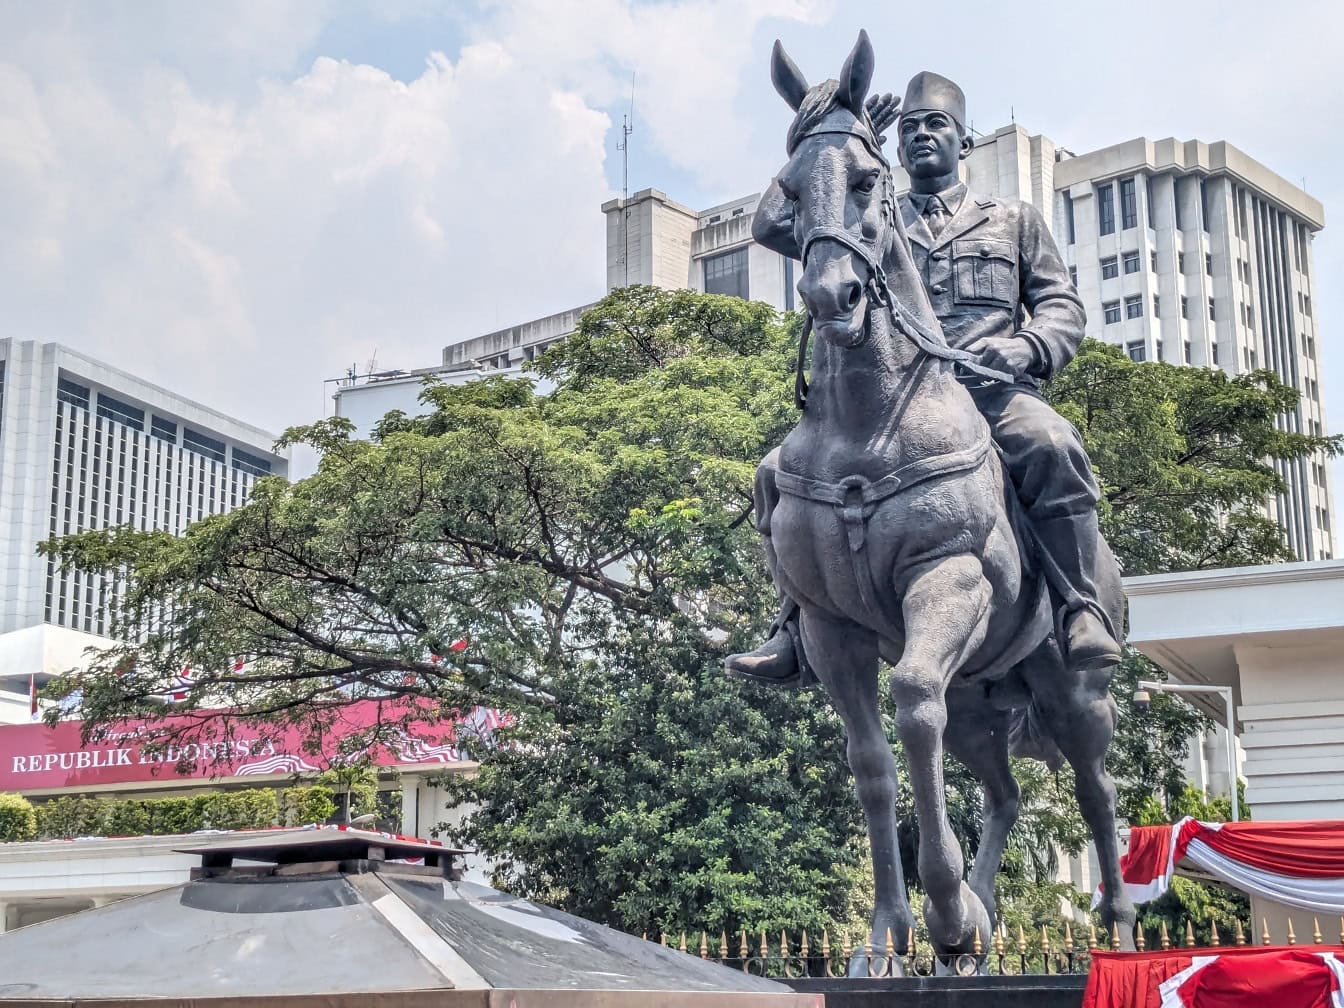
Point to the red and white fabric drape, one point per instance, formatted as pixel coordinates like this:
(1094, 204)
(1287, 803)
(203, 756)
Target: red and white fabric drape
(1300, 864)
(1247, 977)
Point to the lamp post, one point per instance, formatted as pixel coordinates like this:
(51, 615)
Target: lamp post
(1226, 693)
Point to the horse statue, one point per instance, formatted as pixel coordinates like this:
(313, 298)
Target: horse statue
(891, 521)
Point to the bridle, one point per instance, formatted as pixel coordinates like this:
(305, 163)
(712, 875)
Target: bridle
(877, 287)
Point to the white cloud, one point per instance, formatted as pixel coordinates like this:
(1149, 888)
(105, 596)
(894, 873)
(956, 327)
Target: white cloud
(240, 236)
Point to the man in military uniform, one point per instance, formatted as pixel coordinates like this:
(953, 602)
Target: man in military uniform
(1000, 290)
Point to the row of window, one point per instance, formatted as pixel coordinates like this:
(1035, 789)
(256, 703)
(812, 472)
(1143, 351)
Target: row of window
(133, 417)
(1134, 308)
(1129, 207)
(1138, 351)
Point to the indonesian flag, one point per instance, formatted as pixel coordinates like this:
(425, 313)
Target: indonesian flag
(1249, 977)
(456, 647)
(179, 687)
(1300, 864)
(33, 712)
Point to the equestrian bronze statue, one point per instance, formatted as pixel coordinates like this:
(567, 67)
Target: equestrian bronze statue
(930, 508)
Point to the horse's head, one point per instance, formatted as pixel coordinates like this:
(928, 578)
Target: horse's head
(837, 195)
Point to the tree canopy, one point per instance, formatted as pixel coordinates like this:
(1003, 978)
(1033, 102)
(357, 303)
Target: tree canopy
(594, 548)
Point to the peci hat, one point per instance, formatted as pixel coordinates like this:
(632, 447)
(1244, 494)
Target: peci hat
(928, 91)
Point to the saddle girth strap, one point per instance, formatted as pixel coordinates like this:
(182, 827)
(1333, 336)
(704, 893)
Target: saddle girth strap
(857, 496)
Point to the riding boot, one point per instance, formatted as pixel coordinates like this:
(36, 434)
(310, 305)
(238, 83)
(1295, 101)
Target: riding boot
(1073, 547)
(779, 661)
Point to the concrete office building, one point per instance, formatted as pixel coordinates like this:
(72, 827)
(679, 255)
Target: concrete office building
(86, 446)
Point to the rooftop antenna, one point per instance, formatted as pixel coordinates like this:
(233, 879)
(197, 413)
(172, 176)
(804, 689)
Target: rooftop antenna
(373, 361)
(623, 145)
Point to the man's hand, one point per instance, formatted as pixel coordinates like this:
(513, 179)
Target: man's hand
(883, 110)
(1010, 354)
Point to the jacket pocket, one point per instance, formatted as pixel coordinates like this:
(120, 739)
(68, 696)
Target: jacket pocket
(984, 272)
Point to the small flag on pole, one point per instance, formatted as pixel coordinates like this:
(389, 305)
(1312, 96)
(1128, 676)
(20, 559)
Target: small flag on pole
(32, 697)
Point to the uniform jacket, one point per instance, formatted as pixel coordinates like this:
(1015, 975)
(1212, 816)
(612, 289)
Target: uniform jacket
(994, 270)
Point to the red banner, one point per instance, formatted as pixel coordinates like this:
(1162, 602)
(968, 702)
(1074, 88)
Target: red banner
(35, 757)
(1238, 977)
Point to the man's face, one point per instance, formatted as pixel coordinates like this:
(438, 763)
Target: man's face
(930, 143)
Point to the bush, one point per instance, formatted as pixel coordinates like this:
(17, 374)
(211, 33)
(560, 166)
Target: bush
(241, 809)
(18, 821)
(73, 816)
(303, 806)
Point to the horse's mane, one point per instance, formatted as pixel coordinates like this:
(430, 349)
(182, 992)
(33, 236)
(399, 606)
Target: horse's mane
(818, 103)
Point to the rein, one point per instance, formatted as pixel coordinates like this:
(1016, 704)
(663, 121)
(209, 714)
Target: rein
(879, 293)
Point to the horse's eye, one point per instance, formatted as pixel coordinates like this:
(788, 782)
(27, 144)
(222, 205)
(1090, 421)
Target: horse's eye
(868, 183)
(788, 193)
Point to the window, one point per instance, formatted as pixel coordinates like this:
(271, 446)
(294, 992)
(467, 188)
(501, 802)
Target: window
(1180, 263)
(249, 463)
(1073, 275)
(1152, 260)
(1106, 209)
(1136, 351)
(1148, 199)
(1250, 316)
(1212, 316)
(1134, 306)
(125, 413)
(1131, 262)
(1185, 307)
(1213, 351)
(790, 289)
(1208, 263)
(1157, 350)
(1111, 311)
(1306, 305)
(1109, 269)
(1176, 204)
(1068, 218)
(72, 393)
(1157, 306)
(1186, 348)
(1204, 204)
(202, 444)
(1129, 205)
(727, 273)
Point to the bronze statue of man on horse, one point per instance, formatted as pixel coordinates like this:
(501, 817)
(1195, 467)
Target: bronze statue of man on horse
(930, 508)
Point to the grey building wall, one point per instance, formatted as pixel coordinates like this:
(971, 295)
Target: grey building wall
(86, 446)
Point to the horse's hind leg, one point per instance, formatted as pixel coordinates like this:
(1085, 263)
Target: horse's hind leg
(845, 658)
(1080, 715)
(944, 606)
(977, 735)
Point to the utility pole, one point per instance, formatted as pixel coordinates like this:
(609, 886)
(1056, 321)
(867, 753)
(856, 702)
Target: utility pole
(623, 145)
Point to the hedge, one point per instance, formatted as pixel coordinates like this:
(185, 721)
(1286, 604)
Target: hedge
(255, 808)
(18, 821)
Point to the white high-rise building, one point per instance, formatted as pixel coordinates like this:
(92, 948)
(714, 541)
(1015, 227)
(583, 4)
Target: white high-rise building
(85, 446)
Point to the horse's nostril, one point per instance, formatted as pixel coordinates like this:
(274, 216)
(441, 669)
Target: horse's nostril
(855, 292)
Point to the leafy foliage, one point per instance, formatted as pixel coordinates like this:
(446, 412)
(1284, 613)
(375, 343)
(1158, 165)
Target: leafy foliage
(595, 548)
(17, 819)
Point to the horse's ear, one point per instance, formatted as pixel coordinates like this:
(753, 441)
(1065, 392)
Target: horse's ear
(856, 75)
(787, 78)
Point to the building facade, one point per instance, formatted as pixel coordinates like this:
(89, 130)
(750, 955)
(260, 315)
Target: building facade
(85, 446)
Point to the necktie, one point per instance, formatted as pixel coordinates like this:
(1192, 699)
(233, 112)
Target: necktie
(935, 215)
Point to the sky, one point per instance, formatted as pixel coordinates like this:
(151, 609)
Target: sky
(239, 200)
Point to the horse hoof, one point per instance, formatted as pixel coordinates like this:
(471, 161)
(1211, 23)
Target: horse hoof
(956, 930)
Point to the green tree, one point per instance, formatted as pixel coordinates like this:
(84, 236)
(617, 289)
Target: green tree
(595, 547)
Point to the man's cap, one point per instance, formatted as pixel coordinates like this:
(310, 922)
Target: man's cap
(929, 92)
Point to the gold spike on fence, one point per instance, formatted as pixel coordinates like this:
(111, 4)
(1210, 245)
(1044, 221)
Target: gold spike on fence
(1021, 941)
(704, 946)
(723, 947)
(1315, 931)
(1213, 932)
(1091, 937)
(1115, 937)
(1292, 938)
(1264, 934)
(1140, 941)
(1068, 938)
(1239, 936)
(682, 946)
(1164, 939)
(1189, 935)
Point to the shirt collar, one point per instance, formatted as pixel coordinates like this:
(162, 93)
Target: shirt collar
(951, 197)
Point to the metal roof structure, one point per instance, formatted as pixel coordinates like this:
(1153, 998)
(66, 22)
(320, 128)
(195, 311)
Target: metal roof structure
(337, 919)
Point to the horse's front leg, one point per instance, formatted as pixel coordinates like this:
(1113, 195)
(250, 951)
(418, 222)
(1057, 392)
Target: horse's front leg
(845, 657)
(944, 606)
